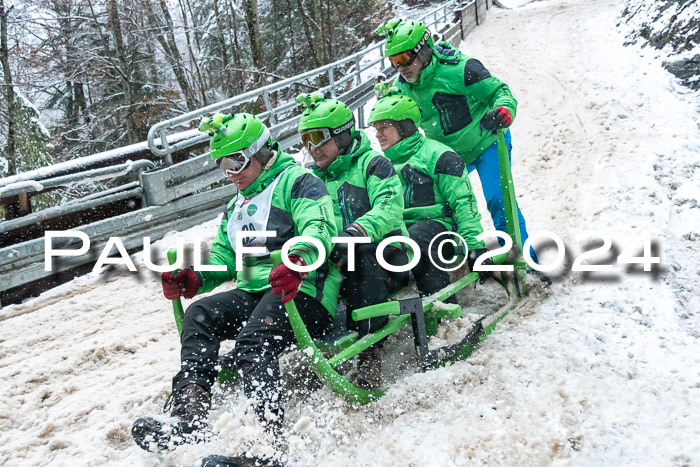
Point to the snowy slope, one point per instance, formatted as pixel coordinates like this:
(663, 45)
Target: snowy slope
(600, 371)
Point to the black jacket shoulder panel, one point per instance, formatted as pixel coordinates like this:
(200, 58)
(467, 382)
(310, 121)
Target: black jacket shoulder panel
(308, 186)
(474, 72)
(380, 167)
(449, 163)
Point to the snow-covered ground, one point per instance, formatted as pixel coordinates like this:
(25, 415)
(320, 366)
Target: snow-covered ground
(601, 371)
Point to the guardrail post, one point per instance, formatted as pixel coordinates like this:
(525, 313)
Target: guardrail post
(331, 80)
(361, 116)
(268, 106)
(166, 146)
(359, 75)
(144, 199)
(458, 15)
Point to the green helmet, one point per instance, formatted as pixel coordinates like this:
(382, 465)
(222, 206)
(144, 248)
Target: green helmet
(231, 133)
(320, 112)
(396, 107)
(404, 35)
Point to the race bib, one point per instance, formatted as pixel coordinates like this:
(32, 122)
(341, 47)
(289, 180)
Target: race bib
(250, 215)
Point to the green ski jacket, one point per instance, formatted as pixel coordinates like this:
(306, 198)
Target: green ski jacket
(291, 201)
(366, 190)
(436, 186)
(454, 93)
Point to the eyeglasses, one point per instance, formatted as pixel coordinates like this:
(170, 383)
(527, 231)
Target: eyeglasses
(404, 58)
(382, 125)
(315, 137)
(233, 163)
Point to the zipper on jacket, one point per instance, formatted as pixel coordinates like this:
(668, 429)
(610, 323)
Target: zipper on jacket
(343, 208)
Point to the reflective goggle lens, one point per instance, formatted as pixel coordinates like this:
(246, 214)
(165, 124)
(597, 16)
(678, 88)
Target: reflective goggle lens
(404, 58)
(233, 163)
(315, 137)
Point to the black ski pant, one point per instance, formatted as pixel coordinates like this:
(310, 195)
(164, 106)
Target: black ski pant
(259, 324)
(370, 284)
(429, 278)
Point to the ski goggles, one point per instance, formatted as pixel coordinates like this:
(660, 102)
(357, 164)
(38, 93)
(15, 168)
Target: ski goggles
(407, 57)
(404, 58)
(233, 163)
(238, 161)
(315, 137)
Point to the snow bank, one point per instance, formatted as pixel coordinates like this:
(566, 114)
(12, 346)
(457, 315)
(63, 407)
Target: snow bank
(671, 26)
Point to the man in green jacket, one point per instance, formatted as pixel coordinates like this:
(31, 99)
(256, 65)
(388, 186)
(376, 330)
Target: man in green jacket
(274, 195)
(367, 203)
(463, 105)
(437, 193)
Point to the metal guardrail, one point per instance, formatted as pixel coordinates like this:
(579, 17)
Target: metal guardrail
(32, 186)
(69, 207)
(169, 192)
(81, 164)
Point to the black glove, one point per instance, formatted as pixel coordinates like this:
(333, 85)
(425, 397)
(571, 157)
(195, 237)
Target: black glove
(496, 119)
(339, 255)
(471, 259)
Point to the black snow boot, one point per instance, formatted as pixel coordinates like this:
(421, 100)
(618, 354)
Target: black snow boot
(191, 406)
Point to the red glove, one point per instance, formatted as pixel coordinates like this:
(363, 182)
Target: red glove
(286, 281)
(497, 119)
(185, 284)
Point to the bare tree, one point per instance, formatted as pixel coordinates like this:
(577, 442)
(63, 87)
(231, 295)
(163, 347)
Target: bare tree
(193, 59)
(8, 90)
(161, 18)
(250, 8)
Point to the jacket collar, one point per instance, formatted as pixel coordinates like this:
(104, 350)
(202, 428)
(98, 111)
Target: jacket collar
(406, 148)
(360, 145)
